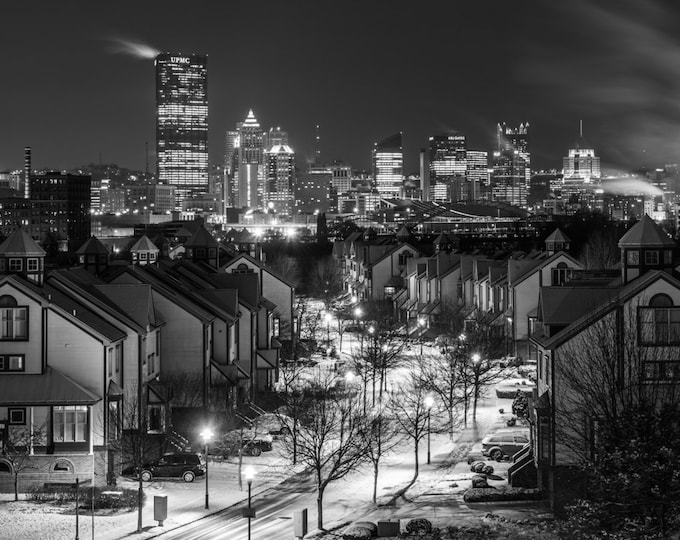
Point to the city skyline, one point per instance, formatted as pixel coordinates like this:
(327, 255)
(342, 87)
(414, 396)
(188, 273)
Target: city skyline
(361, 72)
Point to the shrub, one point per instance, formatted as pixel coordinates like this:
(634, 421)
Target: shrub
(355, 532)
(419, 526)
(373, 527)
(104, 497)
(479, 481)
(503, 493)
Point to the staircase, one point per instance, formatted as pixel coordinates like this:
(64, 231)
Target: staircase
(177, 442)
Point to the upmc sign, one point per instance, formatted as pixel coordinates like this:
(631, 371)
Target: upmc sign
(179, 60)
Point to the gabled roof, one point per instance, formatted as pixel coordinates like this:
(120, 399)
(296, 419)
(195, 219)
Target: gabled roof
(520, 270)
(133, 299)
(259, 264)
(201, 238)
(563, 305)
(49, 388)
(646, 233)
(145, 244)
(394, 248)
(20, 244)
(557, 236)
(93, 246)
(611, 299)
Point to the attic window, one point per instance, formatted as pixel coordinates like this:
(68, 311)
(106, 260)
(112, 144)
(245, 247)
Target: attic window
(404, 256)
(652, 257)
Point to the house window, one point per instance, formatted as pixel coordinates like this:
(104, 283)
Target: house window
(668, 257)
(119, 352)
(152, 363)
(70, 423)
(560, 274)
(109, 361)
(16, 265)
(660, 322)
(634, 257)
(62, 466)
(12, 319)
(277, 326)
(142, 256)
(200, 253)
(212, 253)
(652, 258)
(114, 423)
(12, 362)
(155, 418)
(404, 256)
(5, 467)
(389, 291)
(32, 265)
(2, 265)
(558, 246)
(661, 371)
(242, 269)
(17, 417)
(544, 438)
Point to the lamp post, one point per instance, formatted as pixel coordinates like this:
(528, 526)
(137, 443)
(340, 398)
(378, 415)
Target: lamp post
(357, 315)
(476, 364)
(206, 435)
(429, 401)
(250, 474)
(421, 323)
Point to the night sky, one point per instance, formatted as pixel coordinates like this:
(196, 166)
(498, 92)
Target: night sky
(361, 69)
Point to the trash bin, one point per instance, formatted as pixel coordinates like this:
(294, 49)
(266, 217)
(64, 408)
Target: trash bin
(160, 508)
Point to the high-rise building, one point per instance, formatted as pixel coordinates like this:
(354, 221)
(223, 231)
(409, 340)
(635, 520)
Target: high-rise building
(515, 141)
(581, 163)
(182, 123)
(249, 166)
(477, 173)
(388, 163)
(448, 165)
(61, 209)
(277, 194)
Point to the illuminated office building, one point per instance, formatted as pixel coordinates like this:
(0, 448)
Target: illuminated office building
(248, 168)
(388, 162)
(182, 123)
(447, 166)
(581, 163)
(477, 173)
(515, 141)
(277, 193)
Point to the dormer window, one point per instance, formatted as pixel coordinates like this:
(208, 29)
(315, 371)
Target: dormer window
(633, 257)
(32, 265)
(651, 257)
(16, 265)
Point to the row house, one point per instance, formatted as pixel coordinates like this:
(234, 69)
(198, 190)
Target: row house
(594, 338)
(83, 346)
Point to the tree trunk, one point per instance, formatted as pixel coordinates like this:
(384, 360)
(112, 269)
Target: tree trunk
(140, 504)
(375, 481)
(319, 509)
(16, 486)
(415, 474)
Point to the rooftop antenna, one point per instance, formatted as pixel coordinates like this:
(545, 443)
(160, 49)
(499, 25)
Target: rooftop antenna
(580, 128)
(146, 153)
(317, 149)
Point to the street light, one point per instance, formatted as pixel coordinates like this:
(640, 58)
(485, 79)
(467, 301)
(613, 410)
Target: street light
(429, 401)
(250, 474)
(206, 435)
(476, 364)
(421, 323)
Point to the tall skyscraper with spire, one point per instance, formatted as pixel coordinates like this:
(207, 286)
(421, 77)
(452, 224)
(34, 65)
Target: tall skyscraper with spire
(182, 123)
(249, 167)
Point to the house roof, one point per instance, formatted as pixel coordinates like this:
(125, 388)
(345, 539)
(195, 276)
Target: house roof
(611, 299)
(93, 246)
(557, 236)
(646, 233)
(520, 270)
(201, 238)
(563, 305)
(133, 299)
(145, 244)
(49, 388)
(20, 244)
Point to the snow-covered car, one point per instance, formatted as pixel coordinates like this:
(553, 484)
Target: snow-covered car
(251, 442)
(274, 424)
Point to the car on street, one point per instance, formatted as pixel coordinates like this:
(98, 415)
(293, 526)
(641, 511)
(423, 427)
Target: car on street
(184, 465)
(504, 443)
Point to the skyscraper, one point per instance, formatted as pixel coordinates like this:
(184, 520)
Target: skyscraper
(448, 165)
(182, 123)
(249, 167)
(515, 141)
(388, 162)
(277, 194)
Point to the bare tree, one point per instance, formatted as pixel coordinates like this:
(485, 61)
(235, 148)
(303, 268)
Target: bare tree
(618, 414)
(18, 450)
(446, 378)
(333, 442)
(325, 281)
(601, 251)
(382, 437)
(410, 410)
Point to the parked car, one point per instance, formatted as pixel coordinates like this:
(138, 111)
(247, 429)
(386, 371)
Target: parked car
(504, 444)
(252, 442)
(184, 465)
(274, 424)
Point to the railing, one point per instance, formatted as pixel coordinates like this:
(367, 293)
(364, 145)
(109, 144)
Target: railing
(179, 442)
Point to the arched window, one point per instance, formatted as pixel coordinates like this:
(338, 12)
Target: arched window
(660, 322)
(561, 273)
(7, 301)
(5, 467)
(62, 466)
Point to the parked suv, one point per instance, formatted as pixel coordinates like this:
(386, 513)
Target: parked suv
(184, 465)
(504, 444)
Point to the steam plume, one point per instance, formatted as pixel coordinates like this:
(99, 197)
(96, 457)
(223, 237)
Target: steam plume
(132, 48)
